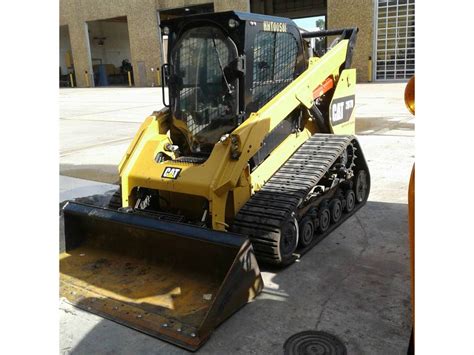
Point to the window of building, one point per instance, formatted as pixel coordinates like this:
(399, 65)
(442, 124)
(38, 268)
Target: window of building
(395, 39)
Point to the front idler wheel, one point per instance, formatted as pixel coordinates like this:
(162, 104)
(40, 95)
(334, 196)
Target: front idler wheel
(306, 231)
(288, 239)
(324, 219)
(361, 186)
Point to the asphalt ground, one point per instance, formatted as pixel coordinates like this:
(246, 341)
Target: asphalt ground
(355, 284)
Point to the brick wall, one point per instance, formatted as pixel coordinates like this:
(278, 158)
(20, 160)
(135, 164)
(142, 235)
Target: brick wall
(355, 13)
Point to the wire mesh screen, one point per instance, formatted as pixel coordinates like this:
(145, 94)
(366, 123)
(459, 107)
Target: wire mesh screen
(274, 64)
(201, 56)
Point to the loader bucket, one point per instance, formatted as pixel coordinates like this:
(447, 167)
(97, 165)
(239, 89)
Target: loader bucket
(173, 281)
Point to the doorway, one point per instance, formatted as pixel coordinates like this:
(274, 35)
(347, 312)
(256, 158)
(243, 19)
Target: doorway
(110, 52)
(66, 64)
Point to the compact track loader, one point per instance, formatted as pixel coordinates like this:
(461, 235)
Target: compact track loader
(253, 158)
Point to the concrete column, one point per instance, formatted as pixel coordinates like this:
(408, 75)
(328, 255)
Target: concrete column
(144, 37)
(80, 47)
(227, 5)
(355, 13)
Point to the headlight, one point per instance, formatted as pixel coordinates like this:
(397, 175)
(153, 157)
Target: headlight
(233, 23)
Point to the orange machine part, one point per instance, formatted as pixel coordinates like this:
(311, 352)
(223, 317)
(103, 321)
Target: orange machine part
(327, 85)
(410, 95)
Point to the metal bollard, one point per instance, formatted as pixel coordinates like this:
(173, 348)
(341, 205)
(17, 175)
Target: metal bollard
(71, 78)
(87, 79)
(129, 73)
(369, 72)
(158, 77)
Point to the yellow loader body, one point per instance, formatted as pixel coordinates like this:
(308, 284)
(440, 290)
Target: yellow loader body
(161, 256)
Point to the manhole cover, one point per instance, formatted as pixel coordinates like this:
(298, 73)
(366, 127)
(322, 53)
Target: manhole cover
(312, 342)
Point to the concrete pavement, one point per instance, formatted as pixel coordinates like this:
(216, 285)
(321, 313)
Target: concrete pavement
(354, 284)
(96, 126)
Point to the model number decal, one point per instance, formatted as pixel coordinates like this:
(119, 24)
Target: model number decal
(274, 26)
(341, 109)
(171, 173)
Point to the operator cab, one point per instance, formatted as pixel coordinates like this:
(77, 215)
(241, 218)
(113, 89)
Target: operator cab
(224, 66)
(204, 96)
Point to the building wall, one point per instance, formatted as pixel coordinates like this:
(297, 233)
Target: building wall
(143, 30)
(145, 49)
(355, 13)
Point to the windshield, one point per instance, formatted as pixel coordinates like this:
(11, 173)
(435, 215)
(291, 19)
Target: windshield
(205, 96)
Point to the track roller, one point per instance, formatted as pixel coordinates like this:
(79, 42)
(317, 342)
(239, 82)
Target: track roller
(335, 206)
(350, 200)
(324, 219)
(307, 230)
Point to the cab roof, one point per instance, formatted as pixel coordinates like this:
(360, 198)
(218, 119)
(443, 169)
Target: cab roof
(220, 16)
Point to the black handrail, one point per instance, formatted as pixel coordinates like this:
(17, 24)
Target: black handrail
(345, 33)
(164, 76)
(325, 33)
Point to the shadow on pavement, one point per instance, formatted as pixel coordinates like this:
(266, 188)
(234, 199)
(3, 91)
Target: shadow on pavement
(354, 284)
(101, 173)
(373, 125)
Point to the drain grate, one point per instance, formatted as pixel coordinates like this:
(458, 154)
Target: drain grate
(313, 342)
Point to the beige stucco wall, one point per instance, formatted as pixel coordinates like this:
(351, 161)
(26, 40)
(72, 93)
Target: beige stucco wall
(357, 13)
(307, 9)
(142, 28)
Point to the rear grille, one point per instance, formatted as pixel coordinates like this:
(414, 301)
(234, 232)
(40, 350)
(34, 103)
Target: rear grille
(190, 160)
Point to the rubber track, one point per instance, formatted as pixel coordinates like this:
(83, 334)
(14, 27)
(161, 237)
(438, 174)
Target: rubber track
(262, 216)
